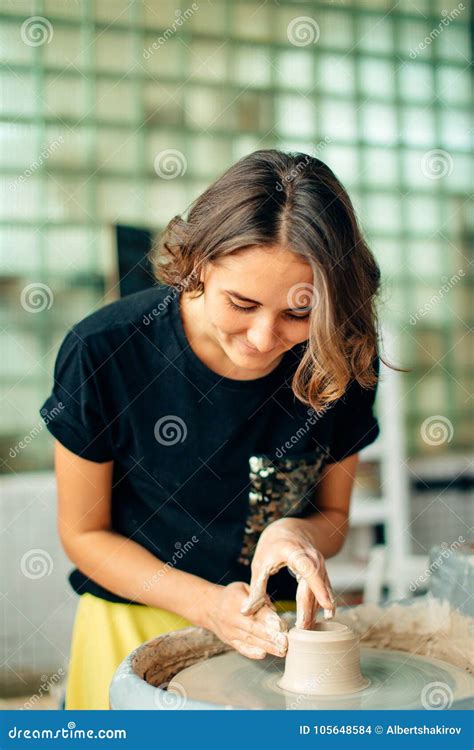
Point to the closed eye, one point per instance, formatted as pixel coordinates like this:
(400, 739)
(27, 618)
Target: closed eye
(251, 308)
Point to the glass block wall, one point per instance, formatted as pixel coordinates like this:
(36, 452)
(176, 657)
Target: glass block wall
(103, 99)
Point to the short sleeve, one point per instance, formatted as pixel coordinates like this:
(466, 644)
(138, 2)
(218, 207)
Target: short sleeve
(73, 413)
(355, 425)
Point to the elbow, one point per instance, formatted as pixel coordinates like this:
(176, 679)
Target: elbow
(78, 544)
(68, 545)
(70, 542)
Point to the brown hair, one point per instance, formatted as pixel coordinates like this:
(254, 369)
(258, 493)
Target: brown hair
(296, 202)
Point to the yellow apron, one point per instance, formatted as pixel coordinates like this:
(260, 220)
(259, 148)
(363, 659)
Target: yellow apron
(104, 634)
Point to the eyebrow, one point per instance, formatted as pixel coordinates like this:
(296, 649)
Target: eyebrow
(255, 302)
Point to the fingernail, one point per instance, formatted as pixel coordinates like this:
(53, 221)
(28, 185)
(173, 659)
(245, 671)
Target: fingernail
(328, 614)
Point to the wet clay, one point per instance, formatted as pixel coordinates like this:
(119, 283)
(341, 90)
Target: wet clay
(323, 661)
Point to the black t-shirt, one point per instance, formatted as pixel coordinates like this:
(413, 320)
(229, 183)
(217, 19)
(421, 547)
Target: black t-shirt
(202, 463)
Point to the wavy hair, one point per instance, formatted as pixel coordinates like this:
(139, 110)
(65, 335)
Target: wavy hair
(295, 201)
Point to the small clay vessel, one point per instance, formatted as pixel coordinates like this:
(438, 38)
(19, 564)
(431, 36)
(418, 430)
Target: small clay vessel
(323, 661)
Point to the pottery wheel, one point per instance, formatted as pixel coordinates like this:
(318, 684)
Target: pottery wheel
(398, 680)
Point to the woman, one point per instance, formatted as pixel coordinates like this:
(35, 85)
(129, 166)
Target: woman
(207, 430)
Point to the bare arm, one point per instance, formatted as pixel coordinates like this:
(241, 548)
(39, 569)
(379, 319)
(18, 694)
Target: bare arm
(117, 563)
(330, 524)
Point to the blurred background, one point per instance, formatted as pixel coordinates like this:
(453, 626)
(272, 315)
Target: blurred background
(115, 115)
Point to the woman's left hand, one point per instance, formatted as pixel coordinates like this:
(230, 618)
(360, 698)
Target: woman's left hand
(288, 541)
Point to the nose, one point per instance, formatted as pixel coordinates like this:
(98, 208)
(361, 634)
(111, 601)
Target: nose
(262, 336)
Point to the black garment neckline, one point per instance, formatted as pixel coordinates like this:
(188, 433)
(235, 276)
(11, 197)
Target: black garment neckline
(289, 359)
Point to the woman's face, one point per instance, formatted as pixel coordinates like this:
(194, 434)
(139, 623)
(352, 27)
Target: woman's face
(256, 304)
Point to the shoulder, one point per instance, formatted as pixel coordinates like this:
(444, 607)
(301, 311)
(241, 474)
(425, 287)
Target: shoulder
(127, 314)
(357, 394)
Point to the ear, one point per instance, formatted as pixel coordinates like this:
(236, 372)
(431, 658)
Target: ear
(202, 272)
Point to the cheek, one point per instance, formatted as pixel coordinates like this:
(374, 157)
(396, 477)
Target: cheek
(227, 320)
(296, 332)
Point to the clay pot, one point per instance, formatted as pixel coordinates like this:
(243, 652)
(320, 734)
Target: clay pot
(323, 661)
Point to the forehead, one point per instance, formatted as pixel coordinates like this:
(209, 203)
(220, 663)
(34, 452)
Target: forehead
(263, 271)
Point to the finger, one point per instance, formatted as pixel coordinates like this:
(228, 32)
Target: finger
(272, 622)
(307, 569)
(332, 595)
(257, 594)
(269, 603)
(266, 644)
(266, 630)
(305, 605)
(330, 612)
(275, 628)
(319, 584)
(303, 562)
(310, 566)
(251, 652)
(273, 639)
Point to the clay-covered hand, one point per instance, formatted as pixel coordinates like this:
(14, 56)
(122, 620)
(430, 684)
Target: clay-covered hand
(288, 542)
(256, 636)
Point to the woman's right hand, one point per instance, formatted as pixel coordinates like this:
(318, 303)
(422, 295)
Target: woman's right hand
(253, 636)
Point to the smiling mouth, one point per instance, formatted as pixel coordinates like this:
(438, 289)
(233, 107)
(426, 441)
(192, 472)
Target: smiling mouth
(247, 346)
